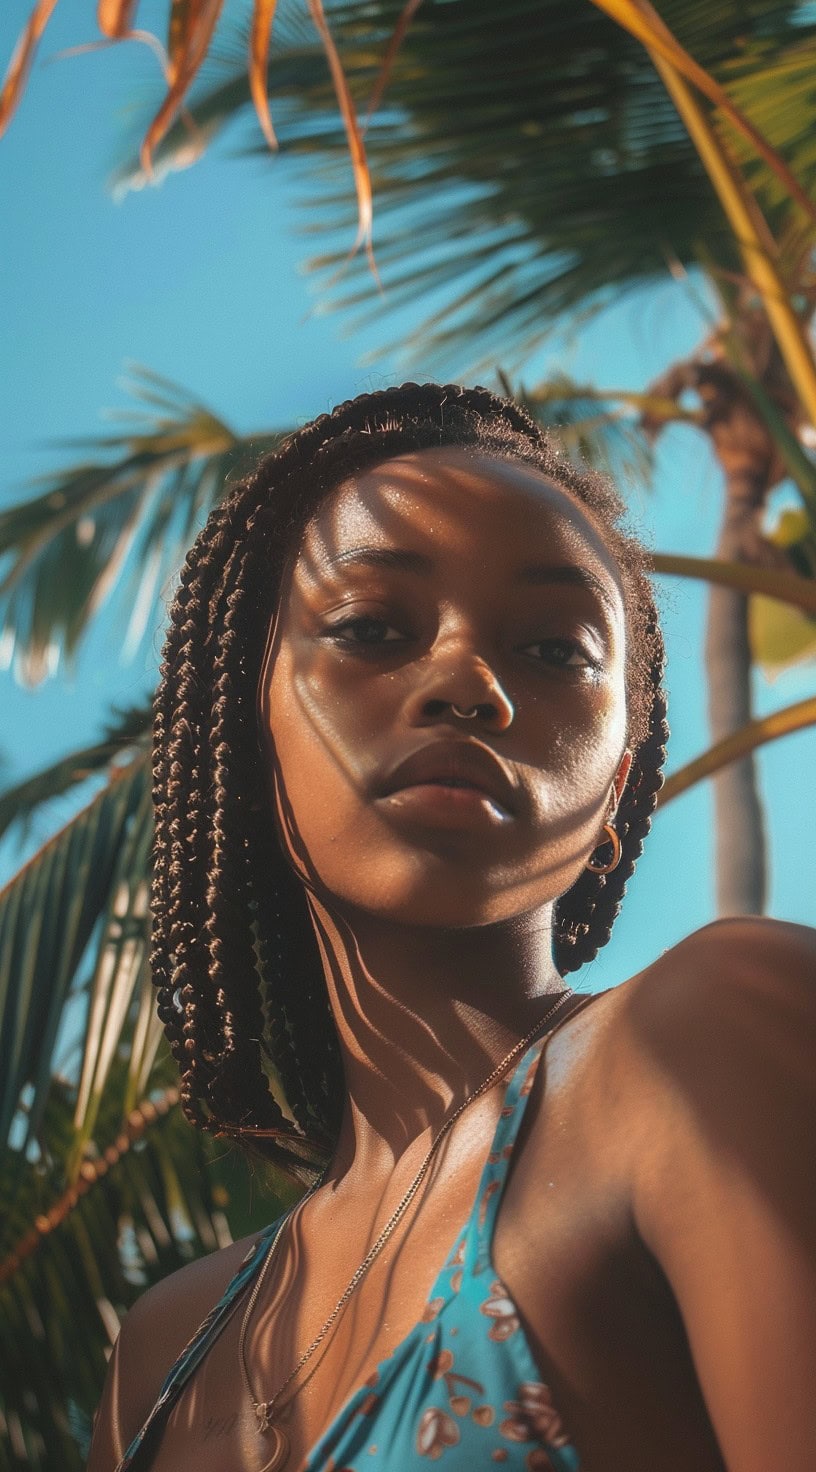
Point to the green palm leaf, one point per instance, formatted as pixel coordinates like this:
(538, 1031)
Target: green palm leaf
(152, 1196)
(86, 1222)
(129, 730)
(49, 915)
(596, 428)
(534, 152)
(121, 519)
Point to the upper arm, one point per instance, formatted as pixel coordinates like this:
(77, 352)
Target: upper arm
(140, 1359)
(725, 1189)
(106, 1444)
(151, 1338)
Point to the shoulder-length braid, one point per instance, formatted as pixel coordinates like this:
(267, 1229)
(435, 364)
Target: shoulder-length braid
(240, 986)
(586, 913)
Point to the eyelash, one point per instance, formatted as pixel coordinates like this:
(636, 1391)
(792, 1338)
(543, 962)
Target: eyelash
(335, 633)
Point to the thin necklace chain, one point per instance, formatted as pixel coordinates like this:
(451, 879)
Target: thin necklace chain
(264, 1409)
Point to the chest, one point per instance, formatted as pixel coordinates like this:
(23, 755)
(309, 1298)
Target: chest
(554, 1321)
(297, 1319)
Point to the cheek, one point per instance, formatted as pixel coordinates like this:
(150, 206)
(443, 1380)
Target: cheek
(318, 750)
(573, 782)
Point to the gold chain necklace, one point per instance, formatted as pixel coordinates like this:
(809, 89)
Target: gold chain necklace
(265, 1409)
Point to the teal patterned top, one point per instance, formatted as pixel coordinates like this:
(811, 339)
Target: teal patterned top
(462, 1388)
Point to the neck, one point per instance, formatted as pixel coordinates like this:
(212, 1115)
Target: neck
(423, 1016)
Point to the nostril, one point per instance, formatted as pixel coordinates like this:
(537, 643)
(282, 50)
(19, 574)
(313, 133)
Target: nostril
(486, 710)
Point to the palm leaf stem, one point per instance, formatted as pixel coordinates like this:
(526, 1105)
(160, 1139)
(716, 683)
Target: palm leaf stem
(738, 745)
(641, 20)
(787, 587)
(141, 1118)
(657, 406)
(751, 235)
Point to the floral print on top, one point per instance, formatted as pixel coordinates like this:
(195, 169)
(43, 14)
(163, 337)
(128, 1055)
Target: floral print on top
(462, 1389)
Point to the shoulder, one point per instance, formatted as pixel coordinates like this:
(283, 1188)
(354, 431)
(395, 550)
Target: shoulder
(152, 1337)
(716, 1040)
(705, 1053)
(719, 1037)
(726, 1009)
(737, 993)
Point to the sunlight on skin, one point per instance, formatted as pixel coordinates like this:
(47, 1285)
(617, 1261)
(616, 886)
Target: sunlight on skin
(418, 910)
(655, 1230)
(337, 719)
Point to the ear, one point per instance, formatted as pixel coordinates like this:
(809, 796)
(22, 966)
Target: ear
(621, 777)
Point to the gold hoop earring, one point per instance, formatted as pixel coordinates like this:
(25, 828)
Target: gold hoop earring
(614, 839)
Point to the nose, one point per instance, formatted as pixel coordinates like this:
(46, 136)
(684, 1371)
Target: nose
(466, 688)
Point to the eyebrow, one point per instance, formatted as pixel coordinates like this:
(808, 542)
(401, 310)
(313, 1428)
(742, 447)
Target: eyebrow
(537, 574)
(394, 557)
(534, 574)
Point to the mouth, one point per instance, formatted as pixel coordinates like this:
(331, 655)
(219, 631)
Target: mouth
(454, 777)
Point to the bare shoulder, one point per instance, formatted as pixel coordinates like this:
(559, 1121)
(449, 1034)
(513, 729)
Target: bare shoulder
(714, 1043)
(717, 1041)
(152, 1337)
(167, 1316)
(745, 984)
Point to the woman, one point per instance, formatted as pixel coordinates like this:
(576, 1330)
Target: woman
(409, 736)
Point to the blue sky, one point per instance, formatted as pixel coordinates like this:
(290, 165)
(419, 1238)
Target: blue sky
(203, 280)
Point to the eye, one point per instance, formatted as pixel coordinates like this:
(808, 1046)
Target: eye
(366, 629)
(564, 653)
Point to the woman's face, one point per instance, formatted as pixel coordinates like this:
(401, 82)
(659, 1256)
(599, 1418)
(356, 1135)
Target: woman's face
(443, 578)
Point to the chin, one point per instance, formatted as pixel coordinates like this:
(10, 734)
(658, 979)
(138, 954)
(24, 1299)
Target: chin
(429, 892)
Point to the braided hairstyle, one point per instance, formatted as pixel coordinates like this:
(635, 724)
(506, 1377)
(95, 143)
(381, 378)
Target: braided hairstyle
(233, 952)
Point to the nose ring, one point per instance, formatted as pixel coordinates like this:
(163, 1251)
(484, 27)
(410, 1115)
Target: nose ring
(467, 715)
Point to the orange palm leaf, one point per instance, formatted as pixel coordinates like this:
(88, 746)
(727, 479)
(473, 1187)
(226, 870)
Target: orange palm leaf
(21, 60)
(182, 17)
(384, 76)
(192, 23)
(362, 178)
(115, 18)
(262, 16)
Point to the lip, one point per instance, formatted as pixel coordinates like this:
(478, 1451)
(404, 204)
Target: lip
(456, 763)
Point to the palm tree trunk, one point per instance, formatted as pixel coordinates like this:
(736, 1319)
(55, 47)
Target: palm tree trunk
(741, 863)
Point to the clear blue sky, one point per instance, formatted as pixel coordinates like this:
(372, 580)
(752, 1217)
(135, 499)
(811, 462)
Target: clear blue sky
(202, 280)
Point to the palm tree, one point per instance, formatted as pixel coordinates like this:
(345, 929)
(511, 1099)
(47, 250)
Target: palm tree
(104, 1188)
(539, 154)
(539, 201)
(550, 163)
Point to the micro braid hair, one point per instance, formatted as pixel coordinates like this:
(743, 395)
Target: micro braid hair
(233, 952)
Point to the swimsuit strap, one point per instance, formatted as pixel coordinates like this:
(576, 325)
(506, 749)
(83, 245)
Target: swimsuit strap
(479, 1233)
(518, 1088)
(196, 1348)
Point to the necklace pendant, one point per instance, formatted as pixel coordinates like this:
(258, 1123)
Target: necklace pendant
(263, 1411)
(278, 1447)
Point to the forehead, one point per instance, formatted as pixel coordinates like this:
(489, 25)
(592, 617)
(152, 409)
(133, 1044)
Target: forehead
(461, 503)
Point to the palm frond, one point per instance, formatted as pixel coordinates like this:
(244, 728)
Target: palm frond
(780, 96)
(536, 156)
(596, 428)
(152, 1195)
(769, 582)
(738, 745)
(121, 519)
(128, 729)
(57, 920)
